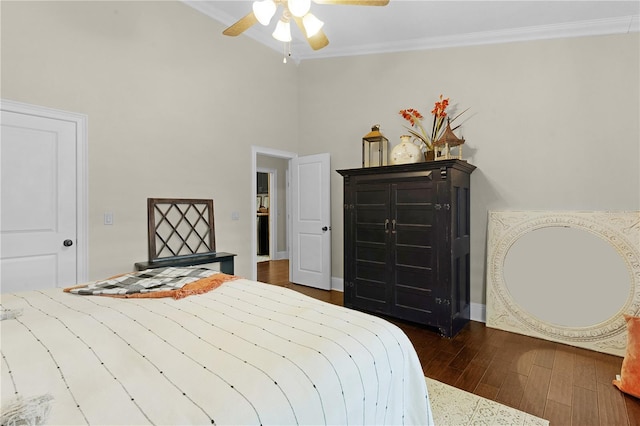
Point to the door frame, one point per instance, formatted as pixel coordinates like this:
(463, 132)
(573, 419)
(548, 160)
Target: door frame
(268, 152)
(82, 161)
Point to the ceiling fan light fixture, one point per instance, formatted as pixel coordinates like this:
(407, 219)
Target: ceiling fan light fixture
(264, 11)
(282, 31)
(299, 8)
(311, 24)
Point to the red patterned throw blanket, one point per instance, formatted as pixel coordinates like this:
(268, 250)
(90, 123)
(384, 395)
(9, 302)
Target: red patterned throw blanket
(154, 283)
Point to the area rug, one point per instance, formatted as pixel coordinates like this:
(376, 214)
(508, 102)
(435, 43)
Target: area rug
(454, 407)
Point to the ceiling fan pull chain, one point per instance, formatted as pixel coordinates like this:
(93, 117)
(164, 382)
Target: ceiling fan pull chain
(286, 51)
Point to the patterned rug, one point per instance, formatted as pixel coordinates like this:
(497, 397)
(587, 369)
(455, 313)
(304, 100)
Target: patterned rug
(455, 407)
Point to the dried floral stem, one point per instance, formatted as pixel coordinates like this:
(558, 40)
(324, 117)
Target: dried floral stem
(414, 117)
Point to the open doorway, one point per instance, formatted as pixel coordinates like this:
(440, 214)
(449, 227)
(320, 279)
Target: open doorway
(305, 216)
(271, 234)
(267, 214)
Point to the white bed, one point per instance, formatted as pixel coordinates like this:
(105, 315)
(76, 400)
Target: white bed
(245, 353)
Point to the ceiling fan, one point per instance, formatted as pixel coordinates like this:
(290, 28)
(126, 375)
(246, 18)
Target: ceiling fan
(298, 10)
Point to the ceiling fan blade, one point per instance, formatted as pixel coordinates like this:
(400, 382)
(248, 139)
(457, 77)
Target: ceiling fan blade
(355, 2)
(242, 25)
(317, 41)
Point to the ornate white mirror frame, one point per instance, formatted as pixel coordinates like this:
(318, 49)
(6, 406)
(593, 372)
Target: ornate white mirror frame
(509, 310)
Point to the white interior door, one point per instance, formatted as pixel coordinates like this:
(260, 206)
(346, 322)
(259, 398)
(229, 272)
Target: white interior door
(38, 202)
(311, 221)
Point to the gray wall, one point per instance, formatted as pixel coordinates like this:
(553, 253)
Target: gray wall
(552, 125)
(174, 108)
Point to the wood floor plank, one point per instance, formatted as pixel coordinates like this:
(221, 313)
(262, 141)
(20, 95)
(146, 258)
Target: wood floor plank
(476, 334)
(498, 337)
(439, 369)
(546, 355)
(557, 414)
(485, 354)
(463, 358)
(584, 407)
(607, 366)
(495, 374)
(486, 391)
(535, 393)
(523, 361)
(452, 347)
(512, 389)
(564, 359)
(584, 375)
(470, 377)
(561, 387)
(611, 405)
(633, 410)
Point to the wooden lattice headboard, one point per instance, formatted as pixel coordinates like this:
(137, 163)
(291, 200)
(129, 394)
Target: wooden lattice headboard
(180, 227)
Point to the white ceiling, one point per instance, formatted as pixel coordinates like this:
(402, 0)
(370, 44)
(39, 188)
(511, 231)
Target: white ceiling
(405, 25)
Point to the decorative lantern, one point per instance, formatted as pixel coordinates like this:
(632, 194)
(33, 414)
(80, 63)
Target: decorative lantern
(447, 141)
(374, 148)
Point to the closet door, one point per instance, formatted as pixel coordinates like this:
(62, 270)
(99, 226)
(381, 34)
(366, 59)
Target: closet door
(413, 236)
(369, 246)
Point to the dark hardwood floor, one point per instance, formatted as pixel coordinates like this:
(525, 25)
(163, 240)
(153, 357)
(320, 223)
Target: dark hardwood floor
(563, 384)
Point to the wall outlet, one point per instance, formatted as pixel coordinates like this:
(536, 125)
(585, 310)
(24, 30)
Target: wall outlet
(108, 218)
(235, 216)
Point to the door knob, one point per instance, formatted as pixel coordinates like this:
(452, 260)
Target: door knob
(324, 228)
(67, 243)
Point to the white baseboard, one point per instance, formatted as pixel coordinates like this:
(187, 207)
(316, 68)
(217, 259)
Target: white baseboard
(281, 255)
(478, 310)
(337, 284)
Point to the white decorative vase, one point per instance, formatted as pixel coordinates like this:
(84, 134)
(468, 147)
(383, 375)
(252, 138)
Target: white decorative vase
(406, 152)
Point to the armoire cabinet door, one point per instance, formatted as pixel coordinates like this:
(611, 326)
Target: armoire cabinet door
(370, 248)
(413, 257)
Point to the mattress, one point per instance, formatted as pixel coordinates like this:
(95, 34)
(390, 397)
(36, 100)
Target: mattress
(245, 353)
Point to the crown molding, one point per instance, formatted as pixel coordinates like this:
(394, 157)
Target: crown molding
(623, 25)
(619, 25)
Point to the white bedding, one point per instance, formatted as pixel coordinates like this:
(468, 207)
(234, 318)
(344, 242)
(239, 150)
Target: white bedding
(245, 353)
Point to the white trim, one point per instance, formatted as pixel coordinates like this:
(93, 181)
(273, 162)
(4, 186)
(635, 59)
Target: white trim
(82, 188)
(478, 312)
(270, 152)
(337, 284)
(621, 25)
(281, 255)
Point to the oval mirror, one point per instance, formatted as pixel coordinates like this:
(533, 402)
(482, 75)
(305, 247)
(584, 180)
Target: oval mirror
(566, 276)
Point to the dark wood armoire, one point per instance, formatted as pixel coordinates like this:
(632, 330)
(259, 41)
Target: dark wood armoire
(406, 242)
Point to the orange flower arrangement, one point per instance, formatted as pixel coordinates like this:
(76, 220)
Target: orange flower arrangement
(439, 112)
